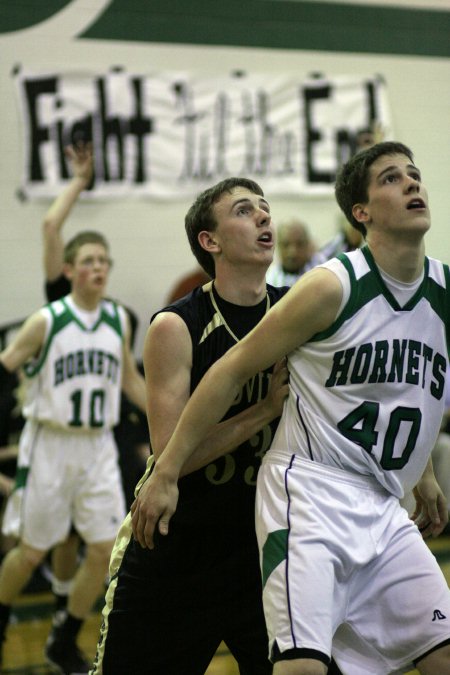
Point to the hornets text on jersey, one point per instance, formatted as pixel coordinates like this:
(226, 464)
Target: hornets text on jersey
(367, 394)
(75, 381)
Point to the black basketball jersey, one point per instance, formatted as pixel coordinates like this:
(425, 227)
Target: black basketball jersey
(221, 495)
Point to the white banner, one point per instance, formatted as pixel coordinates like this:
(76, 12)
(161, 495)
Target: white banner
(170, 135)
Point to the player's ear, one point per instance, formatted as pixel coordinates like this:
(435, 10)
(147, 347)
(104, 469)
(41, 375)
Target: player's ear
(207, 240)
(68, 270)
(360, 213)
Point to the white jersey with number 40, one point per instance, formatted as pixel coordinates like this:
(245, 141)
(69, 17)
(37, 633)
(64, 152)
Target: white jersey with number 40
(367, 395)
(75, 382)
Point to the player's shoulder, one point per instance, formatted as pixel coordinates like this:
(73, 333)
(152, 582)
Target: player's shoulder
(438, 271)
(56, 314)
(190, 306)
(113, 309)
(56, 307)
(38, 319)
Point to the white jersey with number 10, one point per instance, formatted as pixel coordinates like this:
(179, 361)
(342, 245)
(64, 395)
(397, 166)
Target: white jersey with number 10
(75, 382)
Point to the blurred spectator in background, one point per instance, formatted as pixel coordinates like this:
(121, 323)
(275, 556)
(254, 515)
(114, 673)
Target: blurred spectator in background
(347, 239)
(296, 253)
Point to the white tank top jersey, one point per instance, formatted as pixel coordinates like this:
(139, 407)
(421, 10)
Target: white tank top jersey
(367, 394)
(75, 382)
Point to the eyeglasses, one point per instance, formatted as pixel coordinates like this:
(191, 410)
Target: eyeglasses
(92, 261)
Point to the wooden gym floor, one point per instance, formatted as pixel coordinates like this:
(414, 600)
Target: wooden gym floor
(23, 649)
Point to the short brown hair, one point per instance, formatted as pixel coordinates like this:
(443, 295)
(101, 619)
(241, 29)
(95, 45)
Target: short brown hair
(352, 181)
(201, 217)
(86, 237)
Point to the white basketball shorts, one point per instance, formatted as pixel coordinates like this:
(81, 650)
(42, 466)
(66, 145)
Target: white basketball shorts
(345, 571)
(62, 479)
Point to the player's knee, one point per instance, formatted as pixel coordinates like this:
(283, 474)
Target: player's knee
(30, 557)
(299, 667)
(98, 554)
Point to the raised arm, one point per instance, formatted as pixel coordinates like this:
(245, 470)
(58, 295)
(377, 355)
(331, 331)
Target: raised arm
(82, 168)
(309, 307)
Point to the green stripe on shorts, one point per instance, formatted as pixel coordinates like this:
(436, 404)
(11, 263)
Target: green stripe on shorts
(274, 552)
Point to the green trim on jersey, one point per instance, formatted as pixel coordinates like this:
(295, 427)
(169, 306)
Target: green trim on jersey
(60, 321)
(362, 291)
(447, 306)
(112, 321)
(274, 552)
(21, 477)
(412, 302)
(436, 296)
(371, 285)
(104, 317)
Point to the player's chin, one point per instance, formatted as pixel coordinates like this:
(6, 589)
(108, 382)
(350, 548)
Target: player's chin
(266, 255)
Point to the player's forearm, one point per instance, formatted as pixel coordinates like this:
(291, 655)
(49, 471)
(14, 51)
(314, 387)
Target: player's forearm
(134, 389)
(53, 222)
(429, 470)
(205, 408)
(61, 207)
(228, 435)
(11, 359)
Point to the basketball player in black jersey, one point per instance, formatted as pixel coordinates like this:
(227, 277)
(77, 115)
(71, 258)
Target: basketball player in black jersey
(169, 608)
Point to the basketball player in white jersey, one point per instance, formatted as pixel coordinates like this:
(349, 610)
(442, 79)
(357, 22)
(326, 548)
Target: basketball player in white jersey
(76, 358)
(345, 571)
